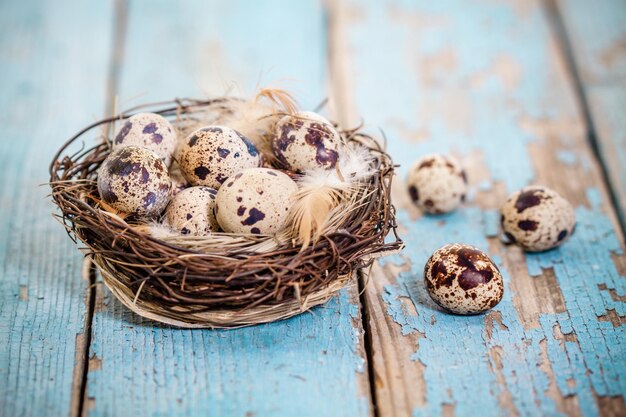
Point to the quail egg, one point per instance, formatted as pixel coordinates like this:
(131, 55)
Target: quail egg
(537, 219)
(437, 184)
(305, 141)
(134, 180)
(255, 200)
(190, 212)
(212, 154)
(148, 130)
(179, 182)
(463, 280)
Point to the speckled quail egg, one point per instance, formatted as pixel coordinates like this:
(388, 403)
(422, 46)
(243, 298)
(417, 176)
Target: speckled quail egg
(437, 184)
(190, 212)
(179, 182)
(134, 180)
(306, 140)
(212, 154)
(255, 200)
(148, 130)
(463, 279)
(537, 218)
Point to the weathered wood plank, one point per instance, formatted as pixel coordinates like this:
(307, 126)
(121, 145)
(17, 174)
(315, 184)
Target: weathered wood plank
(53, 69)
(311, 365)
(597, 32)
(486, 82)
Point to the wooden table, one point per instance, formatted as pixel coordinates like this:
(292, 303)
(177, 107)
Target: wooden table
(522, 91)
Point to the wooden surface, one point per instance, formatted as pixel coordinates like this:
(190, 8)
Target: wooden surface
(522, 92)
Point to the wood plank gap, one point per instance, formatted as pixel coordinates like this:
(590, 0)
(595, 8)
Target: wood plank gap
(120, 25)
(367, 340)
(79, 399)
(557, 25)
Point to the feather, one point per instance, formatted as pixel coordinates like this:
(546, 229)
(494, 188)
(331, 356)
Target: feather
(322, 193)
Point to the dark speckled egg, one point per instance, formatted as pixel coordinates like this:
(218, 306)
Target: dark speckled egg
(191, 211)
(134, 180)
(306, 141)
(537, 219)
(148, 130)
(256, 201)
(463, 279)
(212, 154)
(437, 184)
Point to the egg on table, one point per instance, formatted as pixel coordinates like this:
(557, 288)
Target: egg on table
(134, 180)
(305, 141)
(537, 219)
(255, 200)
(437, 184)
(463, 280)
(148, 130)
(212, 154)
(191, 211)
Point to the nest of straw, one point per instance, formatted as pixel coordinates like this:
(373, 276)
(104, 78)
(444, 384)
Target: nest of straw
(223, 280)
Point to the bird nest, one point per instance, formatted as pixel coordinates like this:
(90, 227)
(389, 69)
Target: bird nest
(222, 280)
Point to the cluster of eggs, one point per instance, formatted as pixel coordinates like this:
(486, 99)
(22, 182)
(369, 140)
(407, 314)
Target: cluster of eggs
(461, 278)
(214, 179)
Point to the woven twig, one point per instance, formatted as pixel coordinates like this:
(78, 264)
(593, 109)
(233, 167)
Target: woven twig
(227, 280)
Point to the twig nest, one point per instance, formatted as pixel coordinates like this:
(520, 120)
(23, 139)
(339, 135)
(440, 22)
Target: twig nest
(212, 154)
(463, 279)
(191, 211)
(306, 141)
(437, 184)
(256, 200)
(537, 219)
(134, 180)
(151, 131)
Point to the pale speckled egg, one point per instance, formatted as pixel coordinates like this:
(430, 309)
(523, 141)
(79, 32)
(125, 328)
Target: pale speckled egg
(212, 154)
(437, 184)
(151, 131)
(134, 180)
(305, 141)
(179, 182)
(256, 201)
(463, 279)
(537, 219)
(191, 211)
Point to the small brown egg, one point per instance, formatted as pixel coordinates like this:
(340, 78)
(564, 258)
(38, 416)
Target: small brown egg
(191, 211)
(134, 180)
(305, 141)
(437, 184)
(148, 130)
(255, 200)
(212, 154)
(463, 279)
(537, 219)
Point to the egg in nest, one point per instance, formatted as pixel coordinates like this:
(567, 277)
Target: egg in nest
(537, 219)
(191, 211)
(306, 141)
(151, 131)
(212, 154)
(463, 279)
(437, 184)
(255, 200)
(134, 180)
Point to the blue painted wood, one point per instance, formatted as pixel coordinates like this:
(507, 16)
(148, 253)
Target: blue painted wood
(598, 40)
(485, 82)
(310, 365)
(53, 70)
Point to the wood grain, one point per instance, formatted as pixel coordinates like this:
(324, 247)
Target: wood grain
(597, 36)
(488, 83)
(310, 365)
(53, 67)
